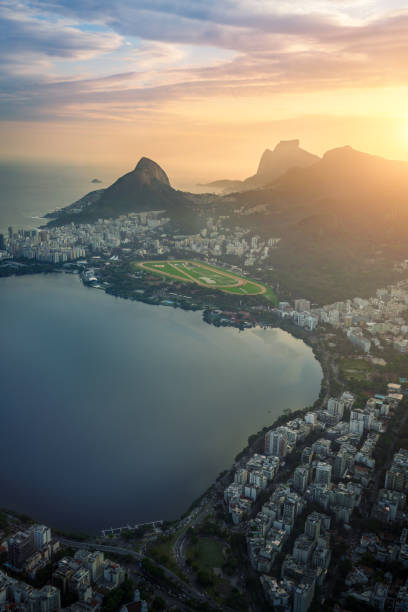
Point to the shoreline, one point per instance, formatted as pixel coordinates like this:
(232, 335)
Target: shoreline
(311, 339)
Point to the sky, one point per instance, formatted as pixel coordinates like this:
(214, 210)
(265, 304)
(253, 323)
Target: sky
(201, 86)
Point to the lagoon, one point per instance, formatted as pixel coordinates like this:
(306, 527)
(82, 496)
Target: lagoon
(115, 411)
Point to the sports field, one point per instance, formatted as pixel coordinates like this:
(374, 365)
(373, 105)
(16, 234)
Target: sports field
(207, 276)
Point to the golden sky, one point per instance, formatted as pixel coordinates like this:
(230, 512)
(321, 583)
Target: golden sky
(201, 87)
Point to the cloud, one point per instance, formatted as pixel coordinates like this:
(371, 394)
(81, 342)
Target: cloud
(153, 54)
(51, 52)
(21, 30)
(224, 23)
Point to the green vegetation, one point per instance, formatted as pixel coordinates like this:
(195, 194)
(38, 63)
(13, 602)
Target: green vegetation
(150, 568)
(210, 527)
(25, 267)
(204, 556)
(248, 288)
(214, 559)
(356, 369)
(162, 551)
(270, 295)
(205, 553)
(70, 535)
(163, 269)
(205, 275)
(158, 603)
(119, 596)
(394, 438)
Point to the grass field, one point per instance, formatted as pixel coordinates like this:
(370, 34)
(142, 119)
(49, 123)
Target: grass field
(356, 369)
(189, 271)
(206, 554)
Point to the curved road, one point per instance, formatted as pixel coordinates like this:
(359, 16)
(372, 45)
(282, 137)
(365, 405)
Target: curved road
(138, 557)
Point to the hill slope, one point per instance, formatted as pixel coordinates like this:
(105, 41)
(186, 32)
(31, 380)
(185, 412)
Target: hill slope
(146, 188)
(342, 224)
(347, 173)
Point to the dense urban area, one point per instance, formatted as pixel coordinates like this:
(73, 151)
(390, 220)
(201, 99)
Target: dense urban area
(312, 515)
(103, 252)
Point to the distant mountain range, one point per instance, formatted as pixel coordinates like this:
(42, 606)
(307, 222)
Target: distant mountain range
(286, 155)
(147, 188)
(341, 218)
(343, 185)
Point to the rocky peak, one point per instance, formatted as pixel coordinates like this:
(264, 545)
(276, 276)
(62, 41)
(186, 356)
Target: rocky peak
(287, 154)
(287, 146)
(148, 170)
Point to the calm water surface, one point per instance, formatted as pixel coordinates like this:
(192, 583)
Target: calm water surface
(115, 411)
(30, 190)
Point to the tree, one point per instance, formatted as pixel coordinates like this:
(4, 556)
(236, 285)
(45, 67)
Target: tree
(158, 603)
(119, 596)
(204, 578)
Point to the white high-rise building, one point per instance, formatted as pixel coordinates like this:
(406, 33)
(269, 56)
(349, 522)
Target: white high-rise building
(276, 442)
(42, 536)
(335, 407)
(359, 420)
(311, 418)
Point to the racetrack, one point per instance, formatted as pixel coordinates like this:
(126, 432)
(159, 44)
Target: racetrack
(204, 275)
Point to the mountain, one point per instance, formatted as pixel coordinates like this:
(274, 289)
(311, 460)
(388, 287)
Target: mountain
(362, 191)
(346, 185)
(286, 155)
(347, 171)
(341, 220)
(224, 185)
(145, 188)
(342, 223)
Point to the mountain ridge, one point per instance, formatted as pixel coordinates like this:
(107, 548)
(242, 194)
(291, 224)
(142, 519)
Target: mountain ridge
(346, 172)
(287, 154)
(340, 220)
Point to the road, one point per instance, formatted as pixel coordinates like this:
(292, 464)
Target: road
(183, 586)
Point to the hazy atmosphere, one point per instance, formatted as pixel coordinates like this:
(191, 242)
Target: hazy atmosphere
(203, 306)
(202, 87)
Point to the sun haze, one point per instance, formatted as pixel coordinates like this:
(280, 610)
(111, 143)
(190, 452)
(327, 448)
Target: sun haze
(201, 86)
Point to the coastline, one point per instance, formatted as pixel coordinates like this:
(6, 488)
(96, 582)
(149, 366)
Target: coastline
(310, 339)
(168, 550)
